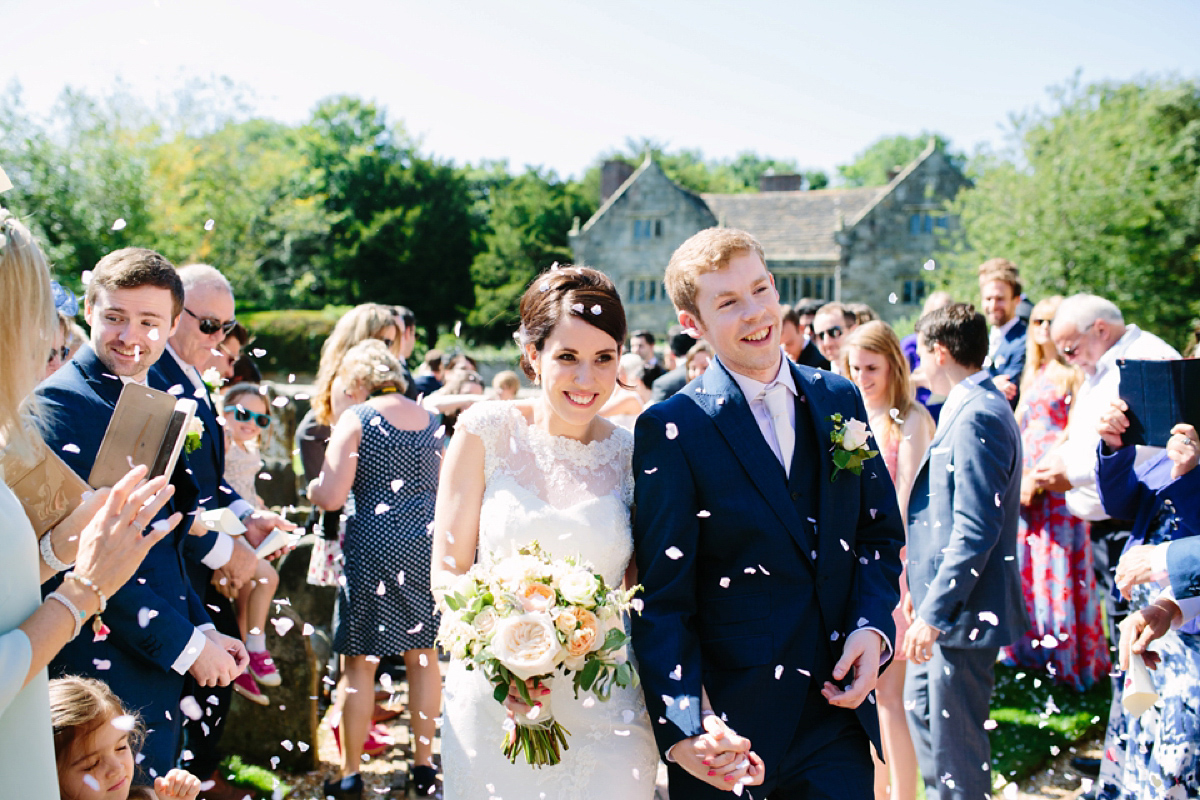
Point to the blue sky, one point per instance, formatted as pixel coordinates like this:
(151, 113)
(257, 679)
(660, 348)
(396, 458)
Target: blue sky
(557, 83)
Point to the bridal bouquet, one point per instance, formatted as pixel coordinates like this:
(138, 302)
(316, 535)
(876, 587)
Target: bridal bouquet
(527, 617)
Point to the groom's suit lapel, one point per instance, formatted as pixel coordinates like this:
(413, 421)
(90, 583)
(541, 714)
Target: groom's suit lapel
(722, 399)
(819, 405)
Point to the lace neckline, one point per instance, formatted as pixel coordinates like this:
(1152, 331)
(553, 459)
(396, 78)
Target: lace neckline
(542, 437)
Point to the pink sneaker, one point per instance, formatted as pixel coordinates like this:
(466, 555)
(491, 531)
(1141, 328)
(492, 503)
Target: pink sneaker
(262, 666)
(245, 685)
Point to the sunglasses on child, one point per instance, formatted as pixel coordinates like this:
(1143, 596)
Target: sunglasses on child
(210, 325)
(245, 415)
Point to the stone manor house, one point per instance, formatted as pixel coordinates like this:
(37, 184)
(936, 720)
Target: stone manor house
(857, 245)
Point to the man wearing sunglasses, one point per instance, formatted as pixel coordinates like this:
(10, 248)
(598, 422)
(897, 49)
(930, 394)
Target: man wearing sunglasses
(830, 326)
(218, 564)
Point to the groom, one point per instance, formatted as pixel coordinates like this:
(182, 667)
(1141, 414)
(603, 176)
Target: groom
(769, 583)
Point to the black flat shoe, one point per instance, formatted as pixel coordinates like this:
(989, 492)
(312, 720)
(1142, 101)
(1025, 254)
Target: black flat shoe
(424, 781)
(351, 787)
(1086, 766)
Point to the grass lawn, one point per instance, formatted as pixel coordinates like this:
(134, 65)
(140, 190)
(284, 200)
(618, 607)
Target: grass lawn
(1036, 719)
(259, 779)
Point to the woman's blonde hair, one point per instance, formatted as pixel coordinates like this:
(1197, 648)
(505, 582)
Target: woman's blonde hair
(1065, 377)
(78, 707)
(27, 312)
(370, 365)
(360, 323)
(879, 338)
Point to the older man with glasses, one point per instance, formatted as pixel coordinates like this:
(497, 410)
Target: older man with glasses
(1091, 334)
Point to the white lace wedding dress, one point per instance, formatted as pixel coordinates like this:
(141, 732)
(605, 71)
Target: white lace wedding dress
(574, 499)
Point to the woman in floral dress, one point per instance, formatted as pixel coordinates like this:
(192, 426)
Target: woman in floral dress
(1067, 635)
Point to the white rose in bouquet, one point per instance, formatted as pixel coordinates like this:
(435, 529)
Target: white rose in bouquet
(855, 435)
(515, 570)
(485, 621)
(457, 636)
(527, 645)
(579, 588)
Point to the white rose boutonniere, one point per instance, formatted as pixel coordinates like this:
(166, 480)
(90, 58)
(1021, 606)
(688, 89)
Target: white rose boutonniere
(212, 379)
(194, 435)
(850, 448)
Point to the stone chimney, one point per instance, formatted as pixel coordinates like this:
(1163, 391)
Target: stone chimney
(770, 182)
(613, 173)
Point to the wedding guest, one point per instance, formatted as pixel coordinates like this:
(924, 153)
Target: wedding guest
(965, 590)
(96, 740)
(385, 452)
(1000, 288)
(218, 564)
(909, 345)
(1091, 334)
(506, 385)
(462, 389)
(1055, 556)
(366, 321)
(59, 352)
(627, 400)
(698, 360)
(642, 343)
(902, 429)
(105, 545)
(832, 322)
(429, 375)
(246, 417)
(790, 337)
(402, 349)
(225, 355)
(162, 635)
(669, 383)
(862, 312)
(1155, 754)
(806, 311)
(76, 339)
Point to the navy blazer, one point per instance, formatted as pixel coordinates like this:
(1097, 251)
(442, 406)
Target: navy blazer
(206, 464)
(1010, 355)
(752, 578)
(963, 515)
(1137, 494)
(154, 614)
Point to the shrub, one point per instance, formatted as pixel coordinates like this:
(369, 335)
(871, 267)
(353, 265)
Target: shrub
(290, 341)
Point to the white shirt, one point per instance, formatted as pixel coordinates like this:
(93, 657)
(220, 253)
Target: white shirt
(1094, 398)
(996, 337)
(959, 392)
(754, 390)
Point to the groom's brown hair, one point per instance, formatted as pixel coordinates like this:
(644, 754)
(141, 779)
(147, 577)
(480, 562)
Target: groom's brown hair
(708, 251)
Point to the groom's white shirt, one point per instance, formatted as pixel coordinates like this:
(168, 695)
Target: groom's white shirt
(753, 391)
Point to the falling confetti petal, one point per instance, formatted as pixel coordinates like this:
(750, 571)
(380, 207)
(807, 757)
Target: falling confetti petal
(672, 430)
(190, 708)
(674, 553)
(125, 722)
(119, 225)
(724, 583)
(282, 625)
(596, 309)
(929, 265)
(210, 224)
(892, 298)
(70, 448)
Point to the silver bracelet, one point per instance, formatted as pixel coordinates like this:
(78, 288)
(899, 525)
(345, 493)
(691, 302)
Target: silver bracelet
(48, 556)
(89, 583)
(76, 615)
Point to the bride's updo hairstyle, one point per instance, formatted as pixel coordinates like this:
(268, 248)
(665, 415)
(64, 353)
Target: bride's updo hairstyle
(578, 291)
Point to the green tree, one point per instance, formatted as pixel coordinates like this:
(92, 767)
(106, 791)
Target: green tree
(1100, 193)
(691, 170)
(872, 166)
(524, 224)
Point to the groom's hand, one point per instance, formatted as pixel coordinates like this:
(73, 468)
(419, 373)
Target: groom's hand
(861, 653)
(719, 757)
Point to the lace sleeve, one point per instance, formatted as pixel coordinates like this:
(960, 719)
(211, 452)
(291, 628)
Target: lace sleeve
(492, 422)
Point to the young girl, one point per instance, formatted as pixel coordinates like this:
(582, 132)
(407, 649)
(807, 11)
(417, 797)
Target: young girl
(246, 418)
(94, 743)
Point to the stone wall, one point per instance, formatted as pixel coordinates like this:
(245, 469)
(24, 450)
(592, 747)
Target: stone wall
(610, 241)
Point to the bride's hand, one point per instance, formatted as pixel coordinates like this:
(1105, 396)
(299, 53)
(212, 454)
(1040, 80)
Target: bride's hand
(515, 703)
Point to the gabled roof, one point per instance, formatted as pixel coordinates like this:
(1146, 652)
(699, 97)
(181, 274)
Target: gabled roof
(901, 176)
(794, 225)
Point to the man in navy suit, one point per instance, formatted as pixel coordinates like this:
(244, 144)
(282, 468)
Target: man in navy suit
(1000, 287)
(160, 630)
(769, 583)
(963, 577)
(208, 315)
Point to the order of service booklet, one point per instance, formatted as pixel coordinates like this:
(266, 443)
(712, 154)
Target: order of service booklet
(147, 427)
(48, 489)
(1160, 395)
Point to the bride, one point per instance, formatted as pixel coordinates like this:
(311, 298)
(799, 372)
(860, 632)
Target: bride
(548, 469)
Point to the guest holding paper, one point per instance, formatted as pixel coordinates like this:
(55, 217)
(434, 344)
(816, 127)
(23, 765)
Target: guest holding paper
(160, 628)
(1155, 754)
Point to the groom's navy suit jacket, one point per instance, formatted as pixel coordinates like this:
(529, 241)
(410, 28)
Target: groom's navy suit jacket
(753, 579)
(155, 613)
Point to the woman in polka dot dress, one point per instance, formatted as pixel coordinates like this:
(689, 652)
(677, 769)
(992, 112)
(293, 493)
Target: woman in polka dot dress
(383, 457)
